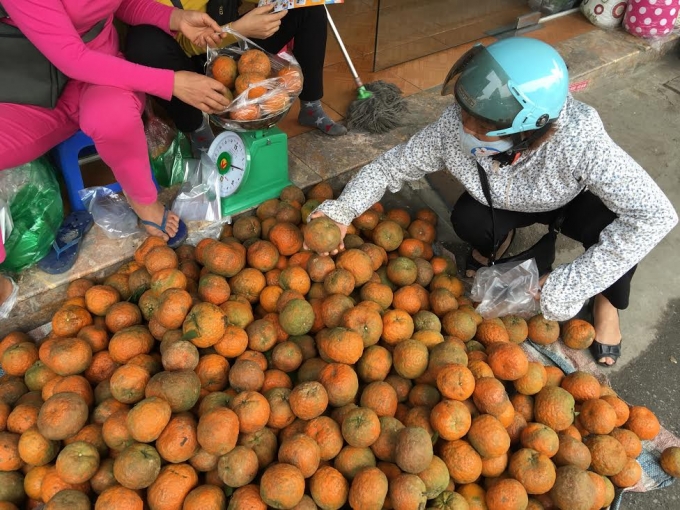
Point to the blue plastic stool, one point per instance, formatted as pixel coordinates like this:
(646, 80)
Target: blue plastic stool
(68, 158)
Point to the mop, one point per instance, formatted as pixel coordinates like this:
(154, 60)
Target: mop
(379, 106)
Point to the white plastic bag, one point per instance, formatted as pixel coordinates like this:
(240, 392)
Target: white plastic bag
(6, 224)
(507, 289)
(110, 211)
(199, 198)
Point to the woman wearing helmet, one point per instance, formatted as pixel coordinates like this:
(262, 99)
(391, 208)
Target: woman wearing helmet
(527, 152)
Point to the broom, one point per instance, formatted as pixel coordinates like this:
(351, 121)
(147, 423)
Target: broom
(379, 106)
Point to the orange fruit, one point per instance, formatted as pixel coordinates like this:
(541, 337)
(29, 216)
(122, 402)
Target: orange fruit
(224, 70)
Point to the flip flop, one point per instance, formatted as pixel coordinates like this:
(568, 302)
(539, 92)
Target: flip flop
(180, 236)
(66, 245)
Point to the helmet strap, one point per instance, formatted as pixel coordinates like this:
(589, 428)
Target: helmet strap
(520, 144)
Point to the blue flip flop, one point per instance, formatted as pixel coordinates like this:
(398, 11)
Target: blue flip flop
(66, 245)
(180, 236)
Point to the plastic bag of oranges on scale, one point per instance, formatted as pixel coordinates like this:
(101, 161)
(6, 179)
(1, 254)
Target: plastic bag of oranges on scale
(261, 86)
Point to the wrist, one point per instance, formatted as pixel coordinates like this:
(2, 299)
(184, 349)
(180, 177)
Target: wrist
(177, 76)
(176, 19)
(237, 26)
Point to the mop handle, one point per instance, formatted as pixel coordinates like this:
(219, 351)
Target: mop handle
(344, 50)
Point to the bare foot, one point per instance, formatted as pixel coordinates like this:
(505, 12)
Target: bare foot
(607, 327)
(5, 288)
(154, 212)
(484, 261)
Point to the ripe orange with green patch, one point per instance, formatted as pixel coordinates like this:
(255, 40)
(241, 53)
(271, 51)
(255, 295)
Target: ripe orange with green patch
(322, 235)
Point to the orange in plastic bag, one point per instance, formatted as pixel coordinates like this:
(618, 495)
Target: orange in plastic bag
(264, 85)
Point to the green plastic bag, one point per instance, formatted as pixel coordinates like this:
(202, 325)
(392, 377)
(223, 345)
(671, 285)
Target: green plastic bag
(168, 149)
(35, 204)
(168, 167)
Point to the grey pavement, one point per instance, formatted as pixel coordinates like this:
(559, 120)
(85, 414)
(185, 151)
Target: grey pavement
(641, 112)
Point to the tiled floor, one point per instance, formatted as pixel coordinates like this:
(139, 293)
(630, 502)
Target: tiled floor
(356, 19)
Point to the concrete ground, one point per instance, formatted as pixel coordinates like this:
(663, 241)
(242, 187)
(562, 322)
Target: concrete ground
(641, 112)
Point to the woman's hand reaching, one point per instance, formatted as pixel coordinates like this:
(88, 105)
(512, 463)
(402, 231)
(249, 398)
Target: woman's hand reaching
(259, 23)
(200, 91)
(541, 282)
(197, 27)
(343, 233)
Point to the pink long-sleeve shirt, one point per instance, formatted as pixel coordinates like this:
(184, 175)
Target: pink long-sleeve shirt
(55, 28)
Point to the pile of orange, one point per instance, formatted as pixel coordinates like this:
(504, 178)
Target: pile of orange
(247, 74)
(248, 373)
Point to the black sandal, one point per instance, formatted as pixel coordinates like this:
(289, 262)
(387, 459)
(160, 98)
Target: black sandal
(597, 349)
(473, 265)
(600, 351)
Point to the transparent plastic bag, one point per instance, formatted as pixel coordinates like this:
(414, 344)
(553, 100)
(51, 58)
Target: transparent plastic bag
(510, 288)
(199, 230)
(35, 211)
(168, 148)
(275, 94)
(199, 198)
(110, 211)
(6, 223)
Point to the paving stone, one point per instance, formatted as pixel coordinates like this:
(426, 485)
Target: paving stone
(674, 84)
(599, 56)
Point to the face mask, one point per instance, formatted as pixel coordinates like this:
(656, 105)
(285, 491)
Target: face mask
(479, 148)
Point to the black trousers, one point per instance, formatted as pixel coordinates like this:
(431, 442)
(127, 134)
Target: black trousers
(586, 216)
(150, 46)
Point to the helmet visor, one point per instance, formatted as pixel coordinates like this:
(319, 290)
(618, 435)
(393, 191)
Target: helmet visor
(483, 88)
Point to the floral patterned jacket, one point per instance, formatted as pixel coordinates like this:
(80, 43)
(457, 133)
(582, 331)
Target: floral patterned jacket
(579, 155)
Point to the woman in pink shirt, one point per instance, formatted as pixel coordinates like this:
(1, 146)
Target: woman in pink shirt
(105, 95)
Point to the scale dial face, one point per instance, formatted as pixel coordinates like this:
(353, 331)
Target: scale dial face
(232, 159)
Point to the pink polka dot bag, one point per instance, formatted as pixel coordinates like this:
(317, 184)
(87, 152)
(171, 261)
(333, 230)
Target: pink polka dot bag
(651, 18)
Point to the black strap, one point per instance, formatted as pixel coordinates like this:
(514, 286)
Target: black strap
(94, 31)
(177, 4)
(487, 194)
(554, 227)
(521, 144)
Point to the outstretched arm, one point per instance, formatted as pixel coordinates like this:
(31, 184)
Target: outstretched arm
(422, 154)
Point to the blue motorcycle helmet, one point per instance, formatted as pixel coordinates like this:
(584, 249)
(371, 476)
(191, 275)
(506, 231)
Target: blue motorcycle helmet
(517, 84)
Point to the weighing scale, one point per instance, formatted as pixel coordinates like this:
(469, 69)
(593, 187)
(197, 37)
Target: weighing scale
(253, 167)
